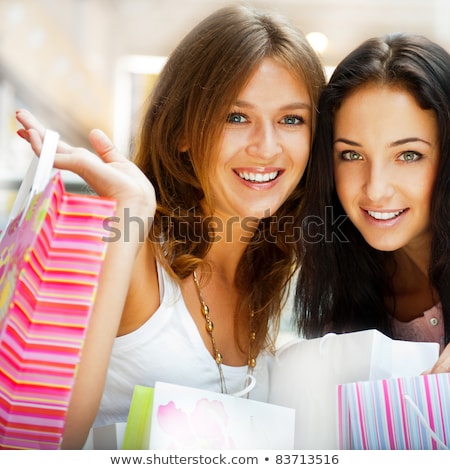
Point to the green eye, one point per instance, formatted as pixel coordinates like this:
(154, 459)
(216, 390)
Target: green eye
(350, 155)
(410, 156)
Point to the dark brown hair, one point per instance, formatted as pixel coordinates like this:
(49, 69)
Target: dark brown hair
(344, 283)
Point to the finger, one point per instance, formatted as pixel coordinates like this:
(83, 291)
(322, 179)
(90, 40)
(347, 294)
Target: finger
(28, 121)
(35, 140)
(24, 134)
(439, 370)
(66, 157)
(32, 127)
(442, 365)
(85, 164)
(33, 137)
(104, 147)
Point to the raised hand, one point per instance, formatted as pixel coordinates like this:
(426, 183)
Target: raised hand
(108, 173)
(111, 175)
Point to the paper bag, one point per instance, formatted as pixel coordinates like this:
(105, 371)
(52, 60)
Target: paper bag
(106, 437)
(400, 413)
(51, 253)
(306, 374)
(178, 417)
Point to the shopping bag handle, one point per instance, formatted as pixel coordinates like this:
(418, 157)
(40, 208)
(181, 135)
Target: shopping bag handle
(424, 421)
(37, 176)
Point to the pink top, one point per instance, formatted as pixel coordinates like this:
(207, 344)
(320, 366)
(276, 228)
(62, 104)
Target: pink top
(427, 328)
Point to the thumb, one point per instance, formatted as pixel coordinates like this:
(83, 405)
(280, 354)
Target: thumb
(104, 146)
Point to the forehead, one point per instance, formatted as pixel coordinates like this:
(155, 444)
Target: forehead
(388, 110)
(274, 79)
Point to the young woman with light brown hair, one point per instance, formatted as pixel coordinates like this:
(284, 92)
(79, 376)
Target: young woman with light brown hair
(216, 179)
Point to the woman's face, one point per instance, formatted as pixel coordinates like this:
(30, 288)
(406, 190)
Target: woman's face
(265, 144)
(386, 154)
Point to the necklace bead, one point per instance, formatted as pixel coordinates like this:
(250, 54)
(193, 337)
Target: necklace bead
(209, 326)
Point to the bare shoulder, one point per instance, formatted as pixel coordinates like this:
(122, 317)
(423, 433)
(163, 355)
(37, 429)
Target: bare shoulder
(143, 294)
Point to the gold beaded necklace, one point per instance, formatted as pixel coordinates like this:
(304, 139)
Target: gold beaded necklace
(251, 363)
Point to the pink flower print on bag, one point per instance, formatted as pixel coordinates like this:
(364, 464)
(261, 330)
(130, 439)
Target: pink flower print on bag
(204, 428)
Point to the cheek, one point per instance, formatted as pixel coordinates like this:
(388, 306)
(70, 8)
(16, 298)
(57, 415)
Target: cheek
(431, 182)
(300, 164)
(346, 185)
(302, 144)
(301, 157)
(423, 195)
(418, 185)
(339, 179)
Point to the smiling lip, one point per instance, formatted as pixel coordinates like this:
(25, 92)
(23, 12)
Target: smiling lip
(258, 175)
(384, 216)
(258, 178)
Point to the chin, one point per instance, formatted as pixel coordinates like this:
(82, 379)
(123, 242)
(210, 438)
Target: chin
(384, 246)
(264, 214)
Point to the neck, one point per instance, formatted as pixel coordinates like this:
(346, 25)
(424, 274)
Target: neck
(413, 292)
(417, 256)
(230, 244)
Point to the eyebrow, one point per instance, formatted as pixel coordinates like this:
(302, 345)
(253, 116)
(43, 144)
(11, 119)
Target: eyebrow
(292, 106)
(396, 143)
(407, 140)
(347, 141)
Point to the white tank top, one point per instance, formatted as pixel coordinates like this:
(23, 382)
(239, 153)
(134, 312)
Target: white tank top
(169, 348)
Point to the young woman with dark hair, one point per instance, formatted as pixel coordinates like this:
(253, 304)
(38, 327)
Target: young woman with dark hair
(376, 213)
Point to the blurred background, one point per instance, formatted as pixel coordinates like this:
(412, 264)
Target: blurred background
(79, 64)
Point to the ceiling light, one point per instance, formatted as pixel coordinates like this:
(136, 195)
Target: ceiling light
(318, 41)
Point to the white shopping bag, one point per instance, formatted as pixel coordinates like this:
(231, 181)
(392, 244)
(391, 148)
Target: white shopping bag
(177, 417)
(306, 374)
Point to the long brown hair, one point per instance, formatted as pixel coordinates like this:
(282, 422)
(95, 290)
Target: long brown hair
(179, 137)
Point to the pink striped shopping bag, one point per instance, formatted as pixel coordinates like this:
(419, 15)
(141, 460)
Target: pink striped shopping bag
(396, 413)
(51, 254)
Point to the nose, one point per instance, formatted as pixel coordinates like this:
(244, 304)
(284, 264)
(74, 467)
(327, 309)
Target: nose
(379, 184)
(264, 141)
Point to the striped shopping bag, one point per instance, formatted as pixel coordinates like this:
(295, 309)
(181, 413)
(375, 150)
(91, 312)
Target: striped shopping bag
(397, 413)
(51, 254)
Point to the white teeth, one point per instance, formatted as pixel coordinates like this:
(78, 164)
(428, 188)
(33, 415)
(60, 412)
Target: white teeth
(258, 177)
(384, 215)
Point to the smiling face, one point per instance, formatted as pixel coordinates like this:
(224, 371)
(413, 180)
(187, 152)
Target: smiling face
(265, 144)
(386, 154)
